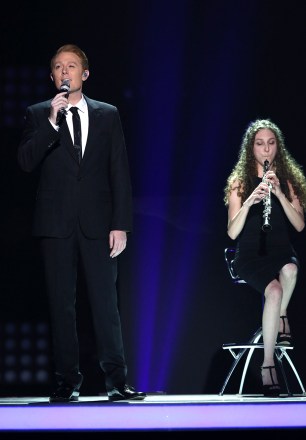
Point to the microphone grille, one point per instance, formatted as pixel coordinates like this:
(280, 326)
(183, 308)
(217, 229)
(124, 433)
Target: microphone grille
(65, 86)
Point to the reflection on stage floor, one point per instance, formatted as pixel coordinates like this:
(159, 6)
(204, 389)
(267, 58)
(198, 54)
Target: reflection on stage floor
(158, 412)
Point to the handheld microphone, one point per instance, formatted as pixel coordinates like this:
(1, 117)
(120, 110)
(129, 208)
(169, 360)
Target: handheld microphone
(65, 87)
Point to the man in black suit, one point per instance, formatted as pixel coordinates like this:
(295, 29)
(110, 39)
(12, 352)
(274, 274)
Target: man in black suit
(82, 216)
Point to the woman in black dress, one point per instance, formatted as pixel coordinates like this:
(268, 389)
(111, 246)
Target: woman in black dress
(266, 195)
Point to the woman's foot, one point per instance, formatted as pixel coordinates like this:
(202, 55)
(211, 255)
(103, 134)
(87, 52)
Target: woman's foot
(284, 335)
(270, 385)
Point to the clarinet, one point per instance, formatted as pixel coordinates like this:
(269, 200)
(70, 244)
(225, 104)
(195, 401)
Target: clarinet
(266, 201)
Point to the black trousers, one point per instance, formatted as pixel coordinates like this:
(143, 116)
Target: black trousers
(61, 257)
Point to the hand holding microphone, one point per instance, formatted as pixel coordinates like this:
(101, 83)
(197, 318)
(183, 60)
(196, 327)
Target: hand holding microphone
(59, 103)
(65, 87)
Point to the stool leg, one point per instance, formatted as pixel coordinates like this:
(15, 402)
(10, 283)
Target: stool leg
(234, 365)
(284, 352)
(255, 338)
(246, 365)
(280, 362)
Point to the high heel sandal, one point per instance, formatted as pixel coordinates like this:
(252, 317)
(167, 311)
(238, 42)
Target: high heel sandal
(284, 338)
(272, 390)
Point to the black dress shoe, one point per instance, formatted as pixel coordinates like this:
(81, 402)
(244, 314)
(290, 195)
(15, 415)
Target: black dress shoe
(64, 393)
(125, 393)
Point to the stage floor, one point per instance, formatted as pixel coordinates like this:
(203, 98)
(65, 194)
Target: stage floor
(158, 412)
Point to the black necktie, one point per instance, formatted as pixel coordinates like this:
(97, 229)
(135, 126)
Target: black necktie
(77, 133)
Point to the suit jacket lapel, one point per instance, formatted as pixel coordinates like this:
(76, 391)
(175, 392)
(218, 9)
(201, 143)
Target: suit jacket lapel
(93, 114)
(66, 139)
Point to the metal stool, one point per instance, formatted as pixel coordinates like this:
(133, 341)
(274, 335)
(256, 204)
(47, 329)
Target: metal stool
(238, 350)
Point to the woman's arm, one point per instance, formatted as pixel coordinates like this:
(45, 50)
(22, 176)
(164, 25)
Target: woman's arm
(293, 210)
(237, 212)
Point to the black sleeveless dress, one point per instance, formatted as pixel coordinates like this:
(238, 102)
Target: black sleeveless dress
(261, 255)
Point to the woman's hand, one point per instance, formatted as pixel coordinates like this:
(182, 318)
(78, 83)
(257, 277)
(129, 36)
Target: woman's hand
(272, 178)
(259, 193)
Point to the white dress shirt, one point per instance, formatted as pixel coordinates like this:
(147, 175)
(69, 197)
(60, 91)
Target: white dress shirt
(83, 112)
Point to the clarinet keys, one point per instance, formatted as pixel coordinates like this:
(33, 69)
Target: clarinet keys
(266, 226)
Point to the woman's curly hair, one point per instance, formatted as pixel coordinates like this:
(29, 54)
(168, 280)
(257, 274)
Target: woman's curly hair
(245, 169)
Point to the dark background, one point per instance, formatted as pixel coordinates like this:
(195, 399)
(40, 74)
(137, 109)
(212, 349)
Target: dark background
(187, 77)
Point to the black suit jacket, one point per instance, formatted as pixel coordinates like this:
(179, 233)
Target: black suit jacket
(97, 192)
